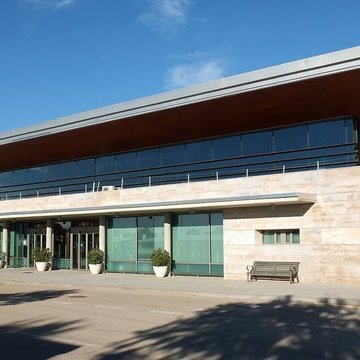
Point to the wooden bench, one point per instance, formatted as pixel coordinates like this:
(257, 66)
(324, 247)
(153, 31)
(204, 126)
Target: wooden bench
(273, 270)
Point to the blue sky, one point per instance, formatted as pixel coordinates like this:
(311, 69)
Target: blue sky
(59, 57)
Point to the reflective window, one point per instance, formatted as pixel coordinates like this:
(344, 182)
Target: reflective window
(290, 138)
(197, 242)
(121, 244)
(281, 236)
(150, 235)
(257, 143)
(351, 135)
(68, 170)
(86, 167)
(198, 151)
(106, 164)
(6, 178)
(148, 158)
(35, 174)
(261, 152)
(20, 176)
(226, 147)
(172, 155)
(126, 161)
(51, 172)
(327, 133)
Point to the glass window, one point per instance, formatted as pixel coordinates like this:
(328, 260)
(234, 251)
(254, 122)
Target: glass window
(198, 151)
(172, 155)
(148, 158)
(351, 135)
(327, 133)
(268, 237)
(68, 170)
(106, 164)
(6, 178)
(35, 174)
(126, 161)
(86, 167)
(51, 172)
(122, 234)
(197, 243)
(150, 235)
(290, 138)
(191, 238)
(257, 143)
(146, 237)
(216, 238)
(226, 147)
(281, 236)
(295, 237)
(20, 176)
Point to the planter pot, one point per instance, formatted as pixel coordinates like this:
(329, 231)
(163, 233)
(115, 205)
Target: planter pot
(95, 268)
(41, 266)
(160, 271)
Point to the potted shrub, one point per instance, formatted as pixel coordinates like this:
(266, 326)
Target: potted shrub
(42, 258)
(95, 260)
(2, 260)
(160, 260)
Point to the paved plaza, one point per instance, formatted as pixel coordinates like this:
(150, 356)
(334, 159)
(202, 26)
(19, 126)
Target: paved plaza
(75, 315)
(259, 291)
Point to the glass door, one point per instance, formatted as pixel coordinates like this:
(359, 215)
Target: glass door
(80, 246)
(33, 241)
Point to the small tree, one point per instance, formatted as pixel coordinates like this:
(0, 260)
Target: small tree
(42, 255)
(3, 256)
(95, 256)
(160, 257)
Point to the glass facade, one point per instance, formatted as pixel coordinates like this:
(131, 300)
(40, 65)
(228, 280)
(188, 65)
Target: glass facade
(197, 244)
(324, 144)
(18, 245)
(130, 241)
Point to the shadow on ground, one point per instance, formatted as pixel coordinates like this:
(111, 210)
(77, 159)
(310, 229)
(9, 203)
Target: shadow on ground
(25, 297)
(276, 330)
(27, 340)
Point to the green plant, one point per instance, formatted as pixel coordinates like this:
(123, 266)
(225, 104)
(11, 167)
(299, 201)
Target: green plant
(95, 256)
(3, 256)
(160, 257)
(42, 255)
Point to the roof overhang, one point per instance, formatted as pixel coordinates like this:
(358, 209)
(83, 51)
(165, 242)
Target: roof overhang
(320, 87)
(208, 204)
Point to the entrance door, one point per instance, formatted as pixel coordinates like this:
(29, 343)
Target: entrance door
(80, 244)
(34, 241)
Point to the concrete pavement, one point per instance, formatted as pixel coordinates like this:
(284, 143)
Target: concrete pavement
(260, 291)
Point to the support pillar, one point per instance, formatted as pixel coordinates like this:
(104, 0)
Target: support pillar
(49, 235)
(102, 232)
(5, 241)
(167, 232)
(49, 239)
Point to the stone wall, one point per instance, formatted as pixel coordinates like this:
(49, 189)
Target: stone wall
(329, 248)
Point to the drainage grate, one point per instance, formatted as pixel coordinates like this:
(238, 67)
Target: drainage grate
(27, 272)
(77, 296)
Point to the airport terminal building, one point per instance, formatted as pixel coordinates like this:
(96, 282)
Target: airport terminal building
(259, 166)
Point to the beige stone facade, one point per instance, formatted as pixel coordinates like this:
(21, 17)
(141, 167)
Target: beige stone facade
(329, 249)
